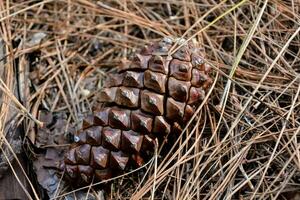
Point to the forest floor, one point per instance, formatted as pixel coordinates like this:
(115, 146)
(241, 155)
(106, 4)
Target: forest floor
(54, 56)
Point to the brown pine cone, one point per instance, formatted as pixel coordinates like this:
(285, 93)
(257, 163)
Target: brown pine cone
(149, 97)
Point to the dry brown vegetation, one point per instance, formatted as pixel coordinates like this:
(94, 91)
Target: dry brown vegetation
(55, 54)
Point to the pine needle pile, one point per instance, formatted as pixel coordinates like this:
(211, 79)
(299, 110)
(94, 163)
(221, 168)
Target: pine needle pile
(242, 142)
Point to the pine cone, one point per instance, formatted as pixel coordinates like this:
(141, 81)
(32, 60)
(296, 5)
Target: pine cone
(149, 97)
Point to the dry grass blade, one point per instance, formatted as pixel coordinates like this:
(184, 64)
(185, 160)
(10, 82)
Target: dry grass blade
(240, 54)
(7, 92)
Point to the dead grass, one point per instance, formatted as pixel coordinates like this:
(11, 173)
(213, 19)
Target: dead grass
(246, 144)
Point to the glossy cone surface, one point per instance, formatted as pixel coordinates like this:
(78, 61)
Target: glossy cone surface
(149, 97)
